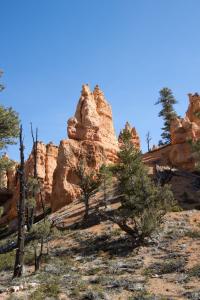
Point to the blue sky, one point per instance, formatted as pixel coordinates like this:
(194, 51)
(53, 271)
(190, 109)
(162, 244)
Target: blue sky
(131, 48)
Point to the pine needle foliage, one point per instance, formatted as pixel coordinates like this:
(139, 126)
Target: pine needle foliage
(89, 182)
(9, 126)
(9, 131)
(167, 101)
(143, 203)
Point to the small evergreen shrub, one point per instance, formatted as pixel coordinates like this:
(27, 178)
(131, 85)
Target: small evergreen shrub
(51, 289)
(7, 261)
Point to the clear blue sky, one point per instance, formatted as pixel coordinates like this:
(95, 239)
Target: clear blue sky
(131, 48)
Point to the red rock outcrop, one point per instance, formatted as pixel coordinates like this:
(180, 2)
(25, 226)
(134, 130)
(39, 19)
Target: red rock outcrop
(184, 130)
(134, 136)
(179, 153)
(187, 128)
(46, 163)
(92, 137)
(93, 119)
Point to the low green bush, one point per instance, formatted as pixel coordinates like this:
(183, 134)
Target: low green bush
(46, 290)
(7, 261)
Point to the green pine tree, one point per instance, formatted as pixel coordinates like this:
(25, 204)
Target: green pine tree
(143, 203)
(167, 112)
(9, 126)
(89, 182)
(9, 131)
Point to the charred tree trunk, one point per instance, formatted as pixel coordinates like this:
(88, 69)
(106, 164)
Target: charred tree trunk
(35, 174)
(31, 211)
(19, 260)
(35, 146)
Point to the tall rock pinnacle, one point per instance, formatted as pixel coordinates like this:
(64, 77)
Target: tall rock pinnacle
(91, 137)
(93, 119)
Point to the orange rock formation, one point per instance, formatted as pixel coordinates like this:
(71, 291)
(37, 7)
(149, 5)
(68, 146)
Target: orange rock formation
(134, 136)
(179, 153)
(46, 163)
(92, 137)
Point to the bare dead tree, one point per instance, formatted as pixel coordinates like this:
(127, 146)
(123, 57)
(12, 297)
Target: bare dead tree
(41, 230)
(32, 183)
(35, 146)
(19, 260)
(148, 139)
(35, 175)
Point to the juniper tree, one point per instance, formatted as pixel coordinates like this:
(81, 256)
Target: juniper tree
(143, 203)
(89, 182)
(167, 101)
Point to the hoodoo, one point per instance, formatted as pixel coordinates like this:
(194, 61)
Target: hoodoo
(91, 137)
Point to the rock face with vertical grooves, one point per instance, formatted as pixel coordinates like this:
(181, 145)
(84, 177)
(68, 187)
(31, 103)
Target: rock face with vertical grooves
(46, 163)
(183, 130)
(91, 137)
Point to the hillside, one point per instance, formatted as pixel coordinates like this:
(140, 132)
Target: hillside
(99, 262)
(94, 259)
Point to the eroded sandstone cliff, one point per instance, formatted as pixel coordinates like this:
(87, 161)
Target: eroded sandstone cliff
(91, 137)
(46, 163)
(183, 130)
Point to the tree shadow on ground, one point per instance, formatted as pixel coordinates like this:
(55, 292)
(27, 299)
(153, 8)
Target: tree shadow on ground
(92, 245)
(93, 217)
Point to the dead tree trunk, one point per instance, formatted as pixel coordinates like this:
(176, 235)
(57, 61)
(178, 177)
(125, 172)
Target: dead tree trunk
(19, 260)
(148, 139)
(35, 174)
(35, 146)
